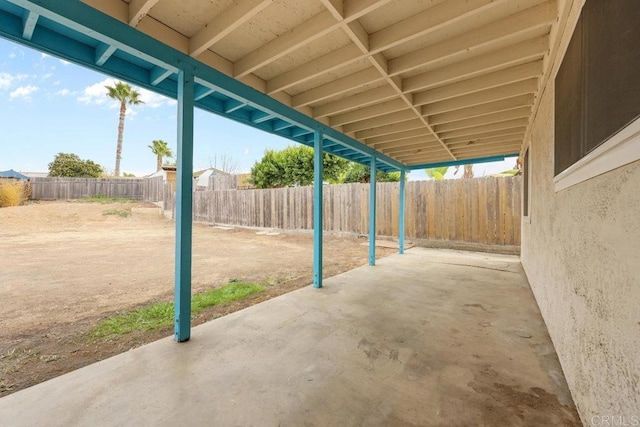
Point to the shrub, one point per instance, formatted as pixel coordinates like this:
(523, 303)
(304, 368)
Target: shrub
(12, 193)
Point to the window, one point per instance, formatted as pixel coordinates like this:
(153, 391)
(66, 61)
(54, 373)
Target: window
(597, 92)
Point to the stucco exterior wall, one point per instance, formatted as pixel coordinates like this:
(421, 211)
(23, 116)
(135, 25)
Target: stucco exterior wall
(581, 253)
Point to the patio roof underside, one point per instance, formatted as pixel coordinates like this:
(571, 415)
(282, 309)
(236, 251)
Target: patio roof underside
(414, 82)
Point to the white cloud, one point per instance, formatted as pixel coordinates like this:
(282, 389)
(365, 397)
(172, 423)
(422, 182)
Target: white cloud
(64, 62)
(63, 92)
(23, 92)
(12, 55)
(43, 55)
(154, 100)
(5, 81)
(246, 151)
(96, 94)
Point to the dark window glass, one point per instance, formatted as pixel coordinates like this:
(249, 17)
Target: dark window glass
(568, 108)
(598, 84)
(612, 68)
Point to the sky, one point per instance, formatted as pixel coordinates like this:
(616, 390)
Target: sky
(48, 106)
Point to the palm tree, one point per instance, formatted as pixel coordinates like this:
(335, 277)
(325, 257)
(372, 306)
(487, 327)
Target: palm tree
(161, 149)
(126, 95)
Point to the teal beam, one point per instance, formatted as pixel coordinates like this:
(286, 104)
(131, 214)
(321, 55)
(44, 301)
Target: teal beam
(278, 125)
(260, 117)
(299, 132)
(184, 207)
(317, 210)
(463, 162)
(202, 92)
(103, 53)
(233, 105)
(401, 213)
(29, 23)
(158, 75)
(372, 212)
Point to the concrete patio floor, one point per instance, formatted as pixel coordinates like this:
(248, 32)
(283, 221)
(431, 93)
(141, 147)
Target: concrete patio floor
(431, 337)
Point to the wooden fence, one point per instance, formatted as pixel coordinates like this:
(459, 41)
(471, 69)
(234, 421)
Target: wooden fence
(153, 189)
(482, 211)
(80, 188)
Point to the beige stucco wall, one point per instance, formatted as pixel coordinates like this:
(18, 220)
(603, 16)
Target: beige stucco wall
(581, 253)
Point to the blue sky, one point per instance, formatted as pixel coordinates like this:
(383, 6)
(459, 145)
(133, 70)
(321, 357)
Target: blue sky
(51, 106)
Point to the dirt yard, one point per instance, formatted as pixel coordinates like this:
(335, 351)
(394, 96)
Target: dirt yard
(66, 265)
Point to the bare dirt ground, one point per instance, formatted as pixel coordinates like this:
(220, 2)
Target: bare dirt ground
(65, 265)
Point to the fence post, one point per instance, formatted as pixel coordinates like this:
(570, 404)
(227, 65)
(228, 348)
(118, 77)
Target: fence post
(184, 208)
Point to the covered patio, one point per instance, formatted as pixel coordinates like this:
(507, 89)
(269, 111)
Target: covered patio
(425, 337)
(431, 337)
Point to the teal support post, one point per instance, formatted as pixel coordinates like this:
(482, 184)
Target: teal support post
(184, 207)
(401, 214)
(372, 212)
(317, 209)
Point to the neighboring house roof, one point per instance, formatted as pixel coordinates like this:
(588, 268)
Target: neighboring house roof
(12, 174)
(210, 171)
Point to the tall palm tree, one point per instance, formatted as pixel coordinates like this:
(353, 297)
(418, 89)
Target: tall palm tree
(126, 95)
(161, 149)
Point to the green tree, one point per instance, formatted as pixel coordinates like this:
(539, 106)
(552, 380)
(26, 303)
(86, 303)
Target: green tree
(293, 166)
(436, 173)
(161, 149)
(70, 165)
(126, 95)
(355, 172)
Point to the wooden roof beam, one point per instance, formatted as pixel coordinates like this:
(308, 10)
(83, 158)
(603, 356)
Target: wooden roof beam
(387, 119)
(488, 141)
(390, 129)
(497, 150)
(509, 124)
(484, 135)
(483, 82)
(483, 97)
(483, 109)
(336, 87)
(352, 102)
(138, 9)
(511, 26)
(422, 140)
(413, 149)
(501, 116)
(223, 24)
(424, 22)
(517, 54)
(399, 136)
(368, 112)
(437, 17)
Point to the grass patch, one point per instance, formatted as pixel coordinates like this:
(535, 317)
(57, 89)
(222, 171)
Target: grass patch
(12, 193)
(122, 213)
(160, 314)
(101, 198)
